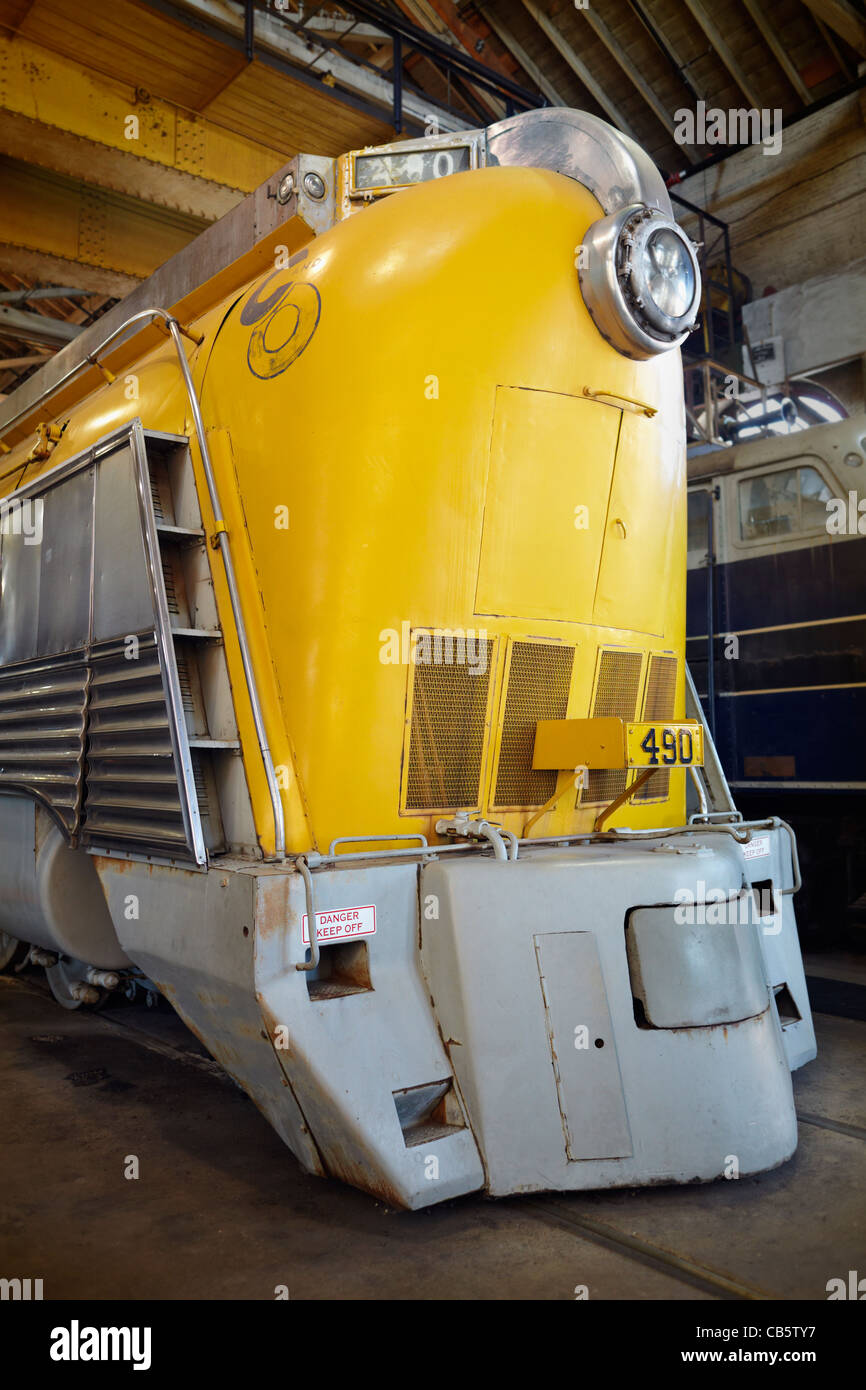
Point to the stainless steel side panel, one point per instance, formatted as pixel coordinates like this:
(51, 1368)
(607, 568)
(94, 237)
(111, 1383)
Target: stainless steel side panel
(122, 602)
(75, 589)
(50, 895)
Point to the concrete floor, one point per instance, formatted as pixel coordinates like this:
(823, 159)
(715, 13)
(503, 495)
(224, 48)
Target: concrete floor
(221, 1210)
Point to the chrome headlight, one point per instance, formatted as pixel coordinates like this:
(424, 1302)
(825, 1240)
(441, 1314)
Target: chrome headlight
(640, 281)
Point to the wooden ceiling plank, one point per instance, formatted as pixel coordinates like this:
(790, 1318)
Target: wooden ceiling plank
(843, 19)
(699, 13)
(14, 12)
(131, 45)
(834, 49)
(778, 51)
(667, 47)
(631, 71)
(530, 67)
(577, 65)
(43, 266)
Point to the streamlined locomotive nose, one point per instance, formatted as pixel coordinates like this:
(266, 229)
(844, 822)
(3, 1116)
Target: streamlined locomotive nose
(356, 698)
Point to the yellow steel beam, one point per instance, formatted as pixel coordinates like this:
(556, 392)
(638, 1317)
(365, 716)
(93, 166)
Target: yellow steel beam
(58, 217)
(41, 268)
(64, 153)
(55, 113)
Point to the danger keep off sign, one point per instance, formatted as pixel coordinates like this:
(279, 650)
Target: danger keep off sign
(341, 924)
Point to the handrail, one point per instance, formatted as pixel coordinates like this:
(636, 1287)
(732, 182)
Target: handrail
(303, 869)
(89, 361)
(369, 839)
(221, 537)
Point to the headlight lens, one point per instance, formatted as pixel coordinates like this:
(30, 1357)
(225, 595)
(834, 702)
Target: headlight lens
(640, 281)
(670, 276)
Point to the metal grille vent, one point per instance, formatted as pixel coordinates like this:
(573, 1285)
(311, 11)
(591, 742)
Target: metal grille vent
(168, 574)
(132, 786)
(616, 695)
(160, 490)
(201, 784)
(42, 730)
(659, 705)
(446, 742)
(185, 683)
(539, 680)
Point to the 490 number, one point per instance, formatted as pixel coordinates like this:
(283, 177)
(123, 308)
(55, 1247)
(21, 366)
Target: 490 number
(676, 748)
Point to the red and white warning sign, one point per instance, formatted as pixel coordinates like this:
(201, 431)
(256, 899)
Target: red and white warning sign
(341, 924)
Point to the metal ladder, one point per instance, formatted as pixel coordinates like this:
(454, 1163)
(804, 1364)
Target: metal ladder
(196, 638)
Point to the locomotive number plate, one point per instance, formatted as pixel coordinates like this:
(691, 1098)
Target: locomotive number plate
(665, 745)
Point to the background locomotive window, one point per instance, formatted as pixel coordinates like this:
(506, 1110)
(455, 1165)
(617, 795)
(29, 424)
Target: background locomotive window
(699, 528)
(782, 504)
(814, 496)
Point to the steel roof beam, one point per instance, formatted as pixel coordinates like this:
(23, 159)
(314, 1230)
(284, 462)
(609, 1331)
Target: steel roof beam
(36, 328)
(464, 63)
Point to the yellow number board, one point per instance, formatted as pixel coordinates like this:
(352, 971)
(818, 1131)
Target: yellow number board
(664, 745)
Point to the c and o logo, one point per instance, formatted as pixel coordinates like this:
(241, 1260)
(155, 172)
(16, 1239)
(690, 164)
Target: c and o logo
(283, 323)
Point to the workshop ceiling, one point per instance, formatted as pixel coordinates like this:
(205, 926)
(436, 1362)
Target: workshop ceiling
(220, 102)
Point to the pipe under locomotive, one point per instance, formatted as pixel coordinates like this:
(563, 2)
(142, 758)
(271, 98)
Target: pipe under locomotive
(343, 694)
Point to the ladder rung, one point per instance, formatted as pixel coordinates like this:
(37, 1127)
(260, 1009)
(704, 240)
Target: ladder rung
(198, 633)
(215, 744)
(180, 533)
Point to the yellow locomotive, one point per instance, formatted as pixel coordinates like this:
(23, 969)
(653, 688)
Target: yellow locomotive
(342, 683)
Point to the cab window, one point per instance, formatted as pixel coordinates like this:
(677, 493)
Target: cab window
(699, 526)
(782, 504)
